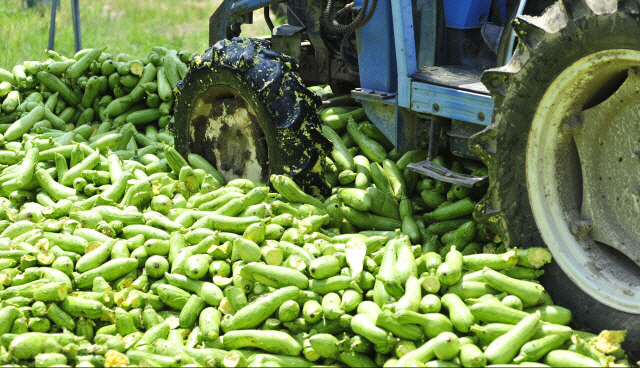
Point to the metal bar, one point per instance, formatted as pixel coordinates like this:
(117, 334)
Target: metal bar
(75, 13)
(434, 137)
(405, 46)
(52, 24)
(245, 6)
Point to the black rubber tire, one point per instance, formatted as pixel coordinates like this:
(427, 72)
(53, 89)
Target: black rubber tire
(566, 32)
(285, 110)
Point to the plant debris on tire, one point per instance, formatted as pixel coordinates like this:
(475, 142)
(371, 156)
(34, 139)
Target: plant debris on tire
(550, 47)
(243, 107)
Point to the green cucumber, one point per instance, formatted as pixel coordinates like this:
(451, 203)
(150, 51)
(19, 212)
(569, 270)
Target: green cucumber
(274, 276)
(503, 349)
(24, 124)
(463, 207)
(530, 293)
(489, 312)
(255, 313)
(534, 350)
(55, 84)
(189, 314)
(341, 155)
(459, 312)
(110, 271)
(271, 341)
(371, 149)
(566, 358)
(496, 262)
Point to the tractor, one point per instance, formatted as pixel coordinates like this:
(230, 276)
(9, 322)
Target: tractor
(545, 93)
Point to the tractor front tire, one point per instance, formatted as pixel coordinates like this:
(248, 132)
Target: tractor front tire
(560, 152)
(244, 108)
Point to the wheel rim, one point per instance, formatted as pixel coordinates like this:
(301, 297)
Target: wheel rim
(224, 128)
(582, 175)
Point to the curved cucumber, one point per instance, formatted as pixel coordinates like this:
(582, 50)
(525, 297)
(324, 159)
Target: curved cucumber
(503, 349)
(372, 149)
(271, 341)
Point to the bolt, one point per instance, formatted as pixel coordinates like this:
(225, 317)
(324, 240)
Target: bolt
(480, 116)
(436, 107)
(571, 123)
(581, 227)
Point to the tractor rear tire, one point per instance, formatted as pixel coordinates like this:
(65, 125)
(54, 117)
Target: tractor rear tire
(571, 34)
(244, 108)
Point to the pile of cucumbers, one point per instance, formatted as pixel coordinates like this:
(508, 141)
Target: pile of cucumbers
(117, 251)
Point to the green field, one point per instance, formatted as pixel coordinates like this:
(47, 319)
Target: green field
(133, 27)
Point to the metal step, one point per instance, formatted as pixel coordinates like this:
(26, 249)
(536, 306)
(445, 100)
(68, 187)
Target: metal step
(453, 77)
(438, 172)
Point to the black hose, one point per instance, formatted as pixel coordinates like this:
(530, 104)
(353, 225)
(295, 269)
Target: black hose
(333, 27)
(329, 41)
(267, 18)
(339, 13)
(352, 62)
(374, 4)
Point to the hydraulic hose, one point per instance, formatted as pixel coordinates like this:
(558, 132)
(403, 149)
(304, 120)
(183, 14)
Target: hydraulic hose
(349, 59)
(334, 28)
(267, 18)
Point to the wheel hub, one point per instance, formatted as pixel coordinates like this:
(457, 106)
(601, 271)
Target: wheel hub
(607, 140)
(583, 177)
(225, 130)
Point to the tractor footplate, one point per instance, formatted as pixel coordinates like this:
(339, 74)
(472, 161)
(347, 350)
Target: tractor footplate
(438, 172)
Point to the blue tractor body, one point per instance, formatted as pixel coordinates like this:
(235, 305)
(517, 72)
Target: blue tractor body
(417, 68)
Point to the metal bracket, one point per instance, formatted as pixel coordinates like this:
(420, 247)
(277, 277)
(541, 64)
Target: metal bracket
(373, 96)
(451, 103)
(438, 172)
(286, 39)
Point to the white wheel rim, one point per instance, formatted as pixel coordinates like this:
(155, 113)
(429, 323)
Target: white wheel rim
(241, 158)
(612, 281)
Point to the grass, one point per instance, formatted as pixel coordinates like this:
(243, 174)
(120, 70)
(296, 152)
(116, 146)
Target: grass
(133, 27)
